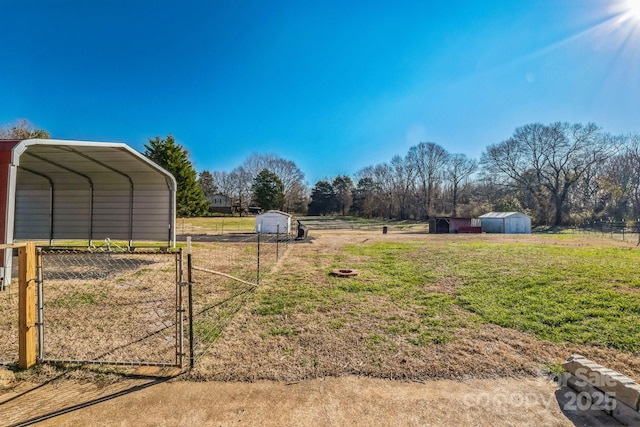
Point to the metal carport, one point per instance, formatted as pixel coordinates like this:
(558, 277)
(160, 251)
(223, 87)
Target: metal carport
(80, 190)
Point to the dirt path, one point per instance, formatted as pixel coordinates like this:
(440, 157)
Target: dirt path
(345, 401)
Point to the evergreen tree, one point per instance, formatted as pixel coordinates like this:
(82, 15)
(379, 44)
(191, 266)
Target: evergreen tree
(268, 190)
(174, 158)
(206, 183)
(364, 198)
(323, 199)
(343, 187)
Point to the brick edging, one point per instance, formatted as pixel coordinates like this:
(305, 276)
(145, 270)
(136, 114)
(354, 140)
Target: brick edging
(596, 380)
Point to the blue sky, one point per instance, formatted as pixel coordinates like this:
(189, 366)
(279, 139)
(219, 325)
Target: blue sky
(332, 85)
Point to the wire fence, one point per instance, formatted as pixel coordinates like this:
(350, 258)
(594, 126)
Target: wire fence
(628, 231)
(9, 325)
(116, 306)
(224, 276)
(110, 307)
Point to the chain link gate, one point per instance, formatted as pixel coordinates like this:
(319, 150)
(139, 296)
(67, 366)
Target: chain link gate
(119, 307)
(111, 307)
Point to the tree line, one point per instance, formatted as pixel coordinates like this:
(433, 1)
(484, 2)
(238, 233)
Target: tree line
(262, 181)
(265, 181)
(558, 174)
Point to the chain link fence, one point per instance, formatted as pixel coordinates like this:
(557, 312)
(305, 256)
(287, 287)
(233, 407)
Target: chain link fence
(9, 325)
(110, 307)
(106, 306)
(224, 276)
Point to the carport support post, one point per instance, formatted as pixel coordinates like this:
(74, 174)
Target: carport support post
(27, 305)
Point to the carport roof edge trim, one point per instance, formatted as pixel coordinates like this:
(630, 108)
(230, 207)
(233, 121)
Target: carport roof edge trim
(22, 146)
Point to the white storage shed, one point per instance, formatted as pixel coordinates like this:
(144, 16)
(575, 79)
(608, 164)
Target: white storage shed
(272, 222)
(506, 223)
(81, 190)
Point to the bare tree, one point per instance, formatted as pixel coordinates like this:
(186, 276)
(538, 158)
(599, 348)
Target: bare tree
(380, 185)
(633, 154)
(241, 182)
(291, 176)
(553, 158)
(223, 181)
(402, 177)
(459, 169)
(21, 129)
(429, 160)
(615, 186)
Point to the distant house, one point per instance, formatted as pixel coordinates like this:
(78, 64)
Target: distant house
(272, 222)
(506, 223)
(254, 210)
(220, 203)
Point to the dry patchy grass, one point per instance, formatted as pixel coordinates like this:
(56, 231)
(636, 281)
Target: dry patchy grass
(423, 307)
(401, 318)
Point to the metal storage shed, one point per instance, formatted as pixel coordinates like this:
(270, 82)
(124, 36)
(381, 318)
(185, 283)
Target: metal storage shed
(272, 222)
(57, 189)
(506, 222)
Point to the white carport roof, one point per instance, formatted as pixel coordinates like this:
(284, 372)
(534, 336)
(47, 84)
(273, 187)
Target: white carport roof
(502, 215)
(90, 158)
(58, 189)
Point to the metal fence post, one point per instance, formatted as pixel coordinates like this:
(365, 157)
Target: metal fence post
(277, 240)
(286, 241)
(190, 303)
(179, 312)
(258, 267)
(39, 277)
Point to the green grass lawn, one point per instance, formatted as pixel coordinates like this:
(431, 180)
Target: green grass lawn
(581, 295)
(560, 293)
(216, 224)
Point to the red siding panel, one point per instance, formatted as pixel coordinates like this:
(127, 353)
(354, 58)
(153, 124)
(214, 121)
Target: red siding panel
(6, 149)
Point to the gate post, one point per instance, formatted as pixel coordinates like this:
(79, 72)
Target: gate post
(27, 305)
